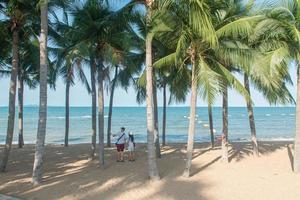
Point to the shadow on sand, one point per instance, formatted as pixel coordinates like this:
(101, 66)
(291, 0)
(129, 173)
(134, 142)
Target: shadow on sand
(67, 175)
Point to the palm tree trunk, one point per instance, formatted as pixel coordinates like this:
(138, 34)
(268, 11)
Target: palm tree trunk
(111, 101)
(156, 132)
(12, 100)
(41, 133)
(211, 126)
(67, 113)
(94, 107)
(164, 115)
(251, 119)
(191, 134)
(297, 135)
(20, 100)
(152, 166)
(101, 116)
(225, 126)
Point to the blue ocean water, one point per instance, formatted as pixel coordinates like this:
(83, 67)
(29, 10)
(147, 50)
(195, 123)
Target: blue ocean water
(272, 123)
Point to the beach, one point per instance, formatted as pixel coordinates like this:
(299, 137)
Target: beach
(70, 175)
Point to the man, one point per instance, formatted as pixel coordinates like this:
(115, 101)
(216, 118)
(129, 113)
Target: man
(120, 143)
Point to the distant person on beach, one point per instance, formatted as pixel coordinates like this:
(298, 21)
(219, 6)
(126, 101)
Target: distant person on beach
(131, 146)
(120, 144)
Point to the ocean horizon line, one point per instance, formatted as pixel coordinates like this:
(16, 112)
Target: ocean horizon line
(55, 106)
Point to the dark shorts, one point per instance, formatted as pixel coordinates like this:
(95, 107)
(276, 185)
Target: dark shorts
(120, 147)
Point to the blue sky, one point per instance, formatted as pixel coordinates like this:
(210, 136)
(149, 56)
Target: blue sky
(79, 96)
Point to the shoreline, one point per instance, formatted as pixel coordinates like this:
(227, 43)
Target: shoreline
(168, 143)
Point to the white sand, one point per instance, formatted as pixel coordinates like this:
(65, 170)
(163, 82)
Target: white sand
(69, 175)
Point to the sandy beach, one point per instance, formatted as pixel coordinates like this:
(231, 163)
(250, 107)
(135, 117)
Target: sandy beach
(68, 174)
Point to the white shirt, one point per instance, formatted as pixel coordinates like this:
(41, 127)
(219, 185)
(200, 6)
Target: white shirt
(121, 138)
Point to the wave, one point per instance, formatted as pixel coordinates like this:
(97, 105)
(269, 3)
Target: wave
(268, 115)
(277, 139)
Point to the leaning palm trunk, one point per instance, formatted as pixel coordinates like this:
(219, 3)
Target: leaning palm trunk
(111, 101)
(94, 107)
(164, 115)
(20, 101)
(156, 132)
(211, 126)
(67, 117)
(101, 116)
(297, 136)
(41, 133)
(191, 134)
(152, 166)
(225, 126)
(12, 99)
(251, 119)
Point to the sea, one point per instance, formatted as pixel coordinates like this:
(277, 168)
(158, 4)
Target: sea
(272, 123)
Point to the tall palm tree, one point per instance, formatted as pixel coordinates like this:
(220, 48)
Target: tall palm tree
(69, 60)
(152, 166)
(286, 26)
(111, 100)
(211, 125)
(265, 45)
(41, 133)
(14, 10)
(90, 20)
(198, 48)
(27, 75)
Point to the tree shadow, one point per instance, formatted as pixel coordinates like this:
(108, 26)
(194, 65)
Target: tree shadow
(241, 150)
(67, 175)
(68, 172)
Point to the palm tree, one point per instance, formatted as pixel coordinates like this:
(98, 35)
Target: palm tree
(14, 12)
(156, 128)
(203, 54)
(69, 60)
(284, 18)
(27, 75)
(211, 126)
(89, 23)
(111, 99)
(225, 126)
(41, 133)
(152, 166)
(94, 104)
(251, 118)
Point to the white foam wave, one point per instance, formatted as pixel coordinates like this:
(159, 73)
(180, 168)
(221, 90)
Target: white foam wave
(205, 125)
(268, 115)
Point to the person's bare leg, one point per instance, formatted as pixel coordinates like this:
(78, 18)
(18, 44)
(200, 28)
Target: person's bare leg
(122, 155)
(129, 156)
(132, 156)
(119, 155)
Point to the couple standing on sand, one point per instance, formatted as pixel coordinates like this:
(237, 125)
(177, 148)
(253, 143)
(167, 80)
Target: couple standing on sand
(121, 142)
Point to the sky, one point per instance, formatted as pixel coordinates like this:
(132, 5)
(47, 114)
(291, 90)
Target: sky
(80, 97)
